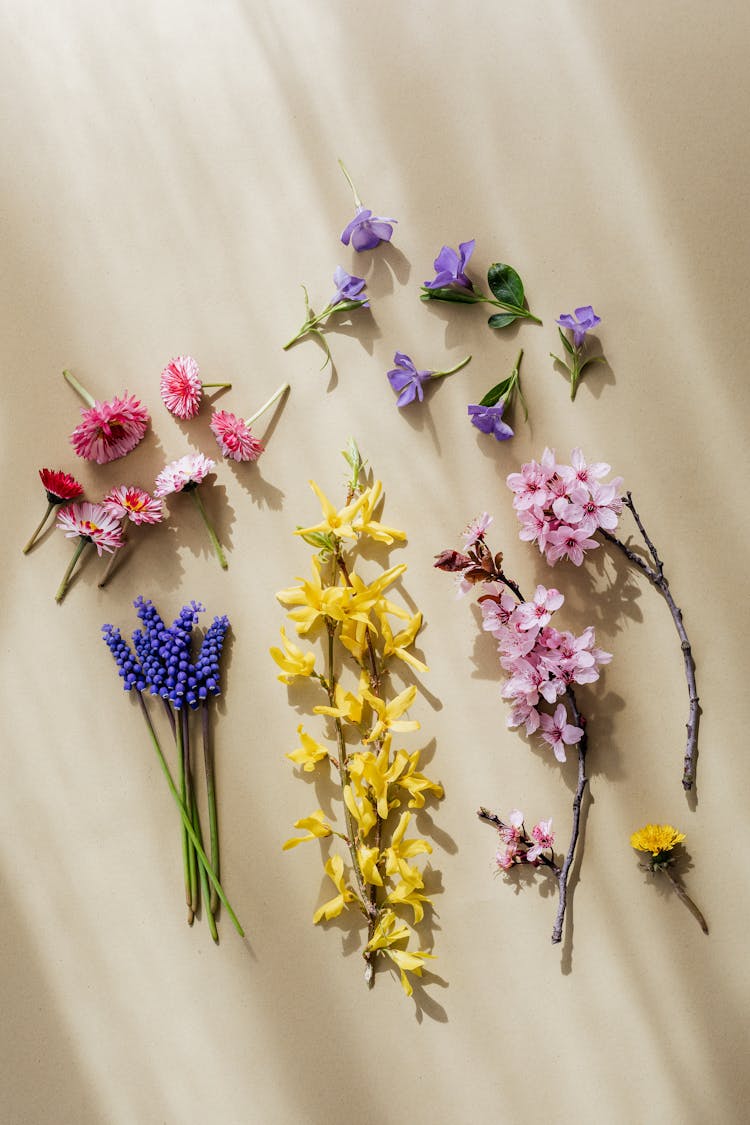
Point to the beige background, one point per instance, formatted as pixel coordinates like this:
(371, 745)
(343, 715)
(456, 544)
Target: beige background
(169, 179)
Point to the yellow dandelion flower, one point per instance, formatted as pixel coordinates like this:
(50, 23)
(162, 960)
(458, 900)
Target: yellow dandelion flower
(656, 838)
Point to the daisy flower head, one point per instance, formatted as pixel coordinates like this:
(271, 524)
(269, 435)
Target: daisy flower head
(235, 437)
(183, 474)
(59, 486)
(180, 387)
(135, 504)
(109, 430)
(91, 522)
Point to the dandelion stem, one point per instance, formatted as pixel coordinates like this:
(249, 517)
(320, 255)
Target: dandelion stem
(62, 588)
(35, 536)
(213, 820)
(276, 395)
(186, 818)
(656, 577)
(78, 388)
(212, 534)
(682, 893)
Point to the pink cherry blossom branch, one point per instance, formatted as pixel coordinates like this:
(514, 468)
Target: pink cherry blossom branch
(656, 577)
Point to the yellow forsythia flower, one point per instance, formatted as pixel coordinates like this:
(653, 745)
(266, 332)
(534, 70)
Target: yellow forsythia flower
(308, 754)
(316, 826)
(388, 714)
(292, 661)
(314, 601)
(337, 522)
(397, 646)
(656, 838)
(366, 525)
(335, 871)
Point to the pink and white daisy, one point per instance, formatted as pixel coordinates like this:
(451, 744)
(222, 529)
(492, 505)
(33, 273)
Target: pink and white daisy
(235, 437)
(180, 387)
(109, 430)
(476, 529)
(91, 522)
(544, 837)
(559, 733)
(186, 471)
(134, 504)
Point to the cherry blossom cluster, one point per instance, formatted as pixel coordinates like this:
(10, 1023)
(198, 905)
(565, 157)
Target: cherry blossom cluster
(542, 662)
(561, 507)
(518, 846)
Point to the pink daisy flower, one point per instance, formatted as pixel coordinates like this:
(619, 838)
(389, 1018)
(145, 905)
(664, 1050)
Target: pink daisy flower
(92, 522)
(110, 429)
(134, 504)
(181, 387)
(235, 437)
(181, 474)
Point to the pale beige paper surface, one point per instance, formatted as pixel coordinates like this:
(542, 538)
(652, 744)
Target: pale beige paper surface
(169, 179)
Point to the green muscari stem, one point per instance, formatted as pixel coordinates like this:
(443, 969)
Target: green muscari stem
(78, 388)
(212, 534)
(206, 891)
(36, 534)
(213, 819)
(189, 800)
(186, 818)
(186, 846)
(62, 588)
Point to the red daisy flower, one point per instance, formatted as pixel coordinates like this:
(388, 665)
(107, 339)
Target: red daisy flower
(59, 486)
(110, 429)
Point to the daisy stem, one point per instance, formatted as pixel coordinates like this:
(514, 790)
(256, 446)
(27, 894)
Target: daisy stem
(189, 800)
(213, 820)
(276, 395)
(451, 370)
(34, 537)
(82, 542)
(682, 893)
(185, 837)
(113, 558)
(355, 193)
(204, 385)
(186, 819)
(212, 534)
(80, 390)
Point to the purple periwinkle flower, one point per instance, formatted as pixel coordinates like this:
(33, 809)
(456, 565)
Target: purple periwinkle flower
(405, 378)
(450, 266)
(366, 231)
(585, 319)
(348, 288)
(489, 419)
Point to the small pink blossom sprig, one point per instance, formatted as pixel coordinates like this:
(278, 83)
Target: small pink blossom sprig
(61, 488)
(517, 846)
(233, 434)
(562, 508)
(184, 475)
(542, 664)
(108, 430)
(181, 387)
(130, 504)
(88, 523)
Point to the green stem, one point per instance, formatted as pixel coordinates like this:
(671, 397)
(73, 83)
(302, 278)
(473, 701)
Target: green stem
(451, 370)
(682, 893)
(276, 395)
(186, 819)
(309, 324)
(213, 820)
(189, 800)
(113, 558)
(355, 193)
(82, 542)
(34, 537)
(205, 385)
(212, 534)
(78, 388)
(206, 890)
(515, 309)
(185, 838)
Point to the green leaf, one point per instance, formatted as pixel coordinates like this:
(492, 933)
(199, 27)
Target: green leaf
(502, 320)
(566, 342)
(500, 391)
(560, 361)
(594, 359)
(460, 296)
(320, 539)
(506, 284)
